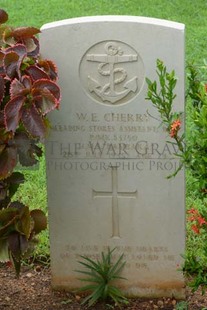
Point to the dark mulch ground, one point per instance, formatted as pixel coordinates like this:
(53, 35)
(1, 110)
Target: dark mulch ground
(33, 291)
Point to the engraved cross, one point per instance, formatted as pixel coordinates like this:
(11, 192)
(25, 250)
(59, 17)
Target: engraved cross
(115, 195)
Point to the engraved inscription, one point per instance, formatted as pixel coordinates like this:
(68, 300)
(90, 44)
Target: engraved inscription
(139, 257)
(114, 194)
(109, 71)
(111, 139)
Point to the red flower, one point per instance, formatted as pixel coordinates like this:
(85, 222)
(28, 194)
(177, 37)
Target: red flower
(195, 229)
(197, 219)
(201, 220)
(175, 126)
(193, 211)
(192, 218)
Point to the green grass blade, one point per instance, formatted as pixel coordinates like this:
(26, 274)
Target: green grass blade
(94, 267)
(117, 268)
(117, 295)
(89, 260)
(96, 295)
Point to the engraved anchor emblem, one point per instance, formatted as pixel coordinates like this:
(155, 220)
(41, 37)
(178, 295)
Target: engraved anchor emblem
(107, 67)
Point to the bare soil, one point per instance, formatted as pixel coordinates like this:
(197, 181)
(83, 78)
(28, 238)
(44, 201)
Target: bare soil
(33, 291)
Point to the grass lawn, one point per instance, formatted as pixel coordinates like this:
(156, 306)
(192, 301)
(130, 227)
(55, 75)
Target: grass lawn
(36, 13)
(190, 12)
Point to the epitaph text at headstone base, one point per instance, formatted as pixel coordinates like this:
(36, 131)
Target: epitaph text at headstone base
(109, 157)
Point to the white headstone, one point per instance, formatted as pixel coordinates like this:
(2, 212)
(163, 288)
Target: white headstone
(107, 158)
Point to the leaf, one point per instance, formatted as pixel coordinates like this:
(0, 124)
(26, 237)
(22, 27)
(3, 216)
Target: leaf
(3, 190)
(117, 295)
(25, 32)
(96, 295)
(16, 205)
(17, 89)
(8, 217)
(23, 244)
(33, 122)
(40, 220)
(19, 49)
(36, 73)
(27, 150)
(7, 36)
(8, 160)
(4, 203)
(49, 85)
(11, 63)
(2, 146)
(8, 187)
(3, 16)
(1, 125)
(117, 267)
(14, 181)
(26, 81)
(45, 101)
(32, 46)
(14, 245)
(16, 264)
(14, 67)
(13, 112)
(49, 67)
(1, 62)
(23, 224)
(91, 264)
(2, 88)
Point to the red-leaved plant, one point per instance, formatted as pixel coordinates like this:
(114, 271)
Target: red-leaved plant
(28, 91)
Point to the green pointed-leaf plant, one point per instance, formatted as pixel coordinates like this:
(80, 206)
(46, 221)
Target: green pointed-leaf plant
(161, 93)
(100, 275)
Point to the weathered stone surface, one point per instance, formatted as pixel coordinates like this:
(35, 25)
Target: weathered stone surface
(107, 158)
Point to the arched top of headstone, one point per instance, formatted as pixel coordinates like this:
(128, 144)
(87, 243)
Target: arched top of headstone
(114, 19)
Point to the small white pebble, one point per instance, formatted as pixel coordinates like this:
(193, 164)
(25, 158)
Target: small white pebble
(160, 303)
(7, 298)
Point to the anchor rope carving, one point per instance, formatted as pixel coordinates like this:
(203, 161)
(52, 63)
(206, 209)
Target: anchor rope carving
(116, 70)
(107, 67)
(108, 73)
